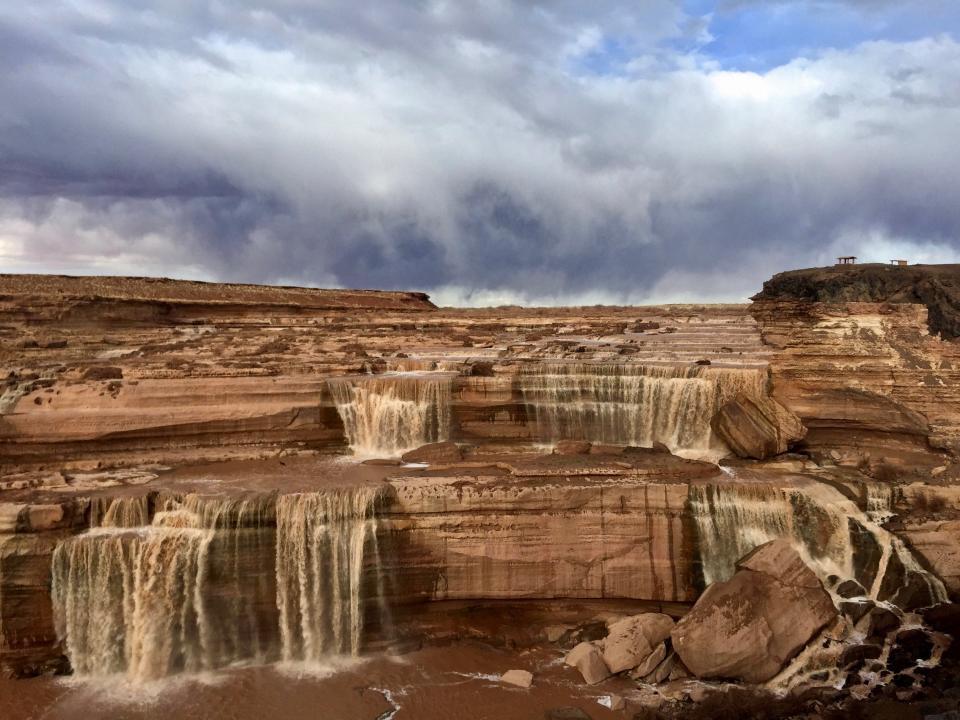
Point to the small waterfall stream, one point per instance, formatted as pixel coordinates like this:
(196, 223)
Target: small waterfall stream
(633, 404)
(131, 601)
(120, 512)
(392, 413)
(323, 540)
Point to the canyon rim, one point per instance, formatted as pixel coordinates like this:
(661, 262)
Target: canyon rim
(231, 500)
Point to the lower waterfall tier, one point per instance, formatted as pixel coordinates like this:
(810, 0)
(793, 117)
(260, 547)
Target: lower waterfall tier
(324, 542)
(299, 577)
(831, 533)
(210, 582)
(173, 596)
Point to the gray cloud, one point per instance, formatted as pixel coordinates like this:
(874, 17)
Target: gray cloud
(546, 151)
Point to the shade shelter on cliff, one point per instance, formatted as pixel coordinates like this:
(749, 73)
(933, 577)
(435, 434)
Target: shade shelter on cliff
(847, 260)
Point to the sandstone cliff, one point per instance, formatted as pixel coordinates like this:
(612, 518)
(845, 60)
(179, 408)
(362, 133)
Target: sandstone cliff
(937, 287)
(204, 427)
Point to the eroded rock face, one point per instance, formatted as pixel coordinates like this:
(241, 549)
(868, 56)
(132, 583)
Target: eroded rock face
(748, 627)
(579, 526)
(757, 427)
(864, 374)
(931, 285)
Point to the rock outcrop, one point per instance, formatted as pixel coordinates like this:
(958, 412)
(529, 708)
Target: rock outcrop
(757, 427)
(865, 376)
(933, 286)
(748, 627)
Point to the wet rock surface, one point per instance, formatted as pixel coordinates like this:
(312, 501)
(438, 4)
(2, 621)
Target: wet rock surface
(757, 428)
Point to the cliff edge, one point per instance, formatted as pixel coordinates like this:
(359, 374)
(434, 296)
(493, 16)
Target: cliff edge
(935, 286)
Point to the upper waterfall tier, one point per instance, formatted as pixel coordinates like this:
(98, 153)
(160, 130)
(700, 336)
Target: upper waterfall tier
(634, 404)
(390, 414)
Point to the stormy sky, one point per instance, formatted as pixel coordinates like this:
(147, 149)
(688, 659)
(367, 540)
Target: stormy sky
(486, 152)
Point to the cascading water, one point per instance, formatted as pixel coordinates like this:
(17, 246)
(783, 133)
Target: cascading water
(634, 404)
(181, 594)
(323, 540)
(392, 413)
(120, 512)
(831, 533)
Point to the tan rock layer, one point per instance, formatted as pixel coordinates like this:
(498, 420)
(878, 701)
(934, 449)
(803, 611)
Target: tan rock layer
(856, 371)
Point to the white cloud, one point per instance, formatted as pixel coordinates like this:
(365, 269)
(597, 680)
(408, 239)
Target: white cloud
(474, 155)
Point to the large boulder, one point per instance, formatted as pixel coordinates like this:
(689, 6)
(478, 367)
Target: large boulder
(757, 427)
(438, 452)
(748, 627)
(634, 639)
(587, 658)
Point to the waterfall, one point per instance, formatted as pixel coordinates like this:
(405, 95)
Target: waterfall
(213, 581)
(390, 414)
(633, 404)
(181, 594)
(120, 512)
(829, 531)
(322, 543)
(879, 501)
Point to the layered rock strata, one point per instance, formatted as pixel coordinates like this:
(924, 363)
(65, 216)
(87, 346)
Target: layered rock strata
(124, 372)
(111, 382)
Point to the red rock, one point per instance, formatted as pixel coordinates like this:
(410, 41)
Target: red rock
(572, 447)
(757, 427)
(748, 627)
(520, 678)
(633, 640)
(587, 658)
(439, 452)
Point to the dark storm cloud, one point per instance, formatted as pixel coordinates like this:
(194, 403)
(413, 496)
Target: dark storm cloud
(556, 151)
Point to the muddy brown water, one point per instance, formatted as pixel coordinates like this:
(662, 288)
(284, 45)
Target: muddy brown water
(439, 683)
